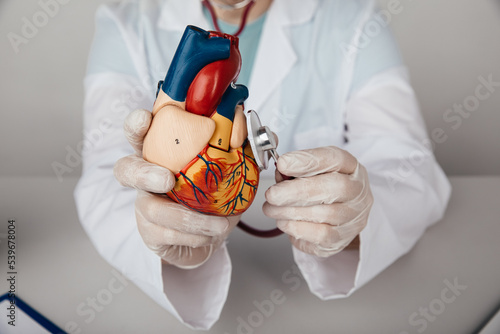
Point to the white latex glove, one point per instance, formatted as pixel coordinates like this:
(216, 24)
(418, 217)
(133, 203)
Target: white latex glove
(180, 236)
(326, 206)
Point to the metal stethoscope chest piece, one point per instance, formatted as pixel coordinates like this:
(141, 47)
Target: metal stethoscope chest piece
(261, 140)
(263, 144)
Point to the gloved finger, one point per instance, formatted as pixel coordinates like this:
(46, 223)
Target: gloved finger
(156, 236)
(134, 172)
(185, 257)
(316, 161)
(277, 176)
(233, 221)
(354, 244)
(332, 214)
(276, 138)
(325, 237)
(312, 249)
(314, 190)
(136, 127)
(164, 212)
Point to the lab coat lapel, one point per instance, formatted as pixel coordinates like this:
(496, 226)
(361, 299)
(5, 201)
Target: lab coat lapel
(276, 56)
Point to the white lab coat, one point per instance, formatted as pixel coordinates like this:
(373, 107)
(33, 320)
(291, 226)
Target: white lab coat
(314, 72)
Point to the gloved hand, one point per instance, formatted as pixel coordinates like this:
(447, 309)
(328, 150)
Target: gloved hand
(326, 206)
(181, 237)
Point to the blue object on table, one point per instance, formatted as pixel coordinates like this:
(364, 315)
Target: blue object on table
(33, 314)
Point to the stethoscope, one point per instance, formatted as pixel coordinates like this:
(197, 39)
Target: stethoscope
(247, 4)
(263, 144)
(261, 139)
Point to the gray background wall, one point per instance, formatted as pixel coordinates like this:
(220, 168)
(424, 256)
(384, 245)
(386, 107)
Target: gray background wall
(447, 45)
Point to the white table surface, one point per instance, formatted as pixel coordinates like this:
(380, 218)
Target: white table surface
(58, 269)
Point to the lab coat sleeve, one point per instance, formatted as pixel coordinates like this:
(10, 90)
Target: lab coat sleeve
(387, 135)
(106, 209)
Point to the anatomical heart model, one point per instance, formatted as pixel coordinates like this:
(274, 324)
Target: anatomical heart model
(199, 129)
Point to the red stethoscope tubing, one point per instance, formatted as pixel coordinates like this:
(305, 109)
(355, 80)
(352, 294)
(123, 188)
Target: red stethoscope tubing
(243, 23)
(259, 233)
